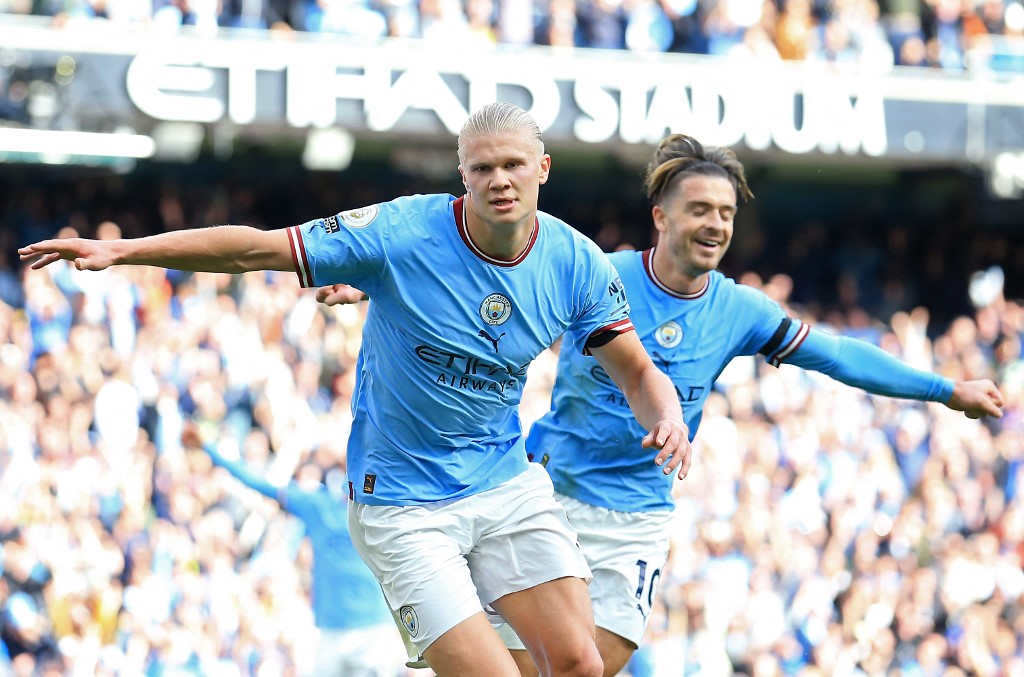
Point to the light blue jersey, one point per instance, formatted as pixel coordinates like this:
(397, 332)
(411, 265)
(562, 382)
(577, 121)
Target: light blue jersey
(448, 338)
(590, 441)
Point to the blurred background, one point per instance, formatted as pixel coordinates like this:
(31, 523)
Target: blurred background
(821, 532)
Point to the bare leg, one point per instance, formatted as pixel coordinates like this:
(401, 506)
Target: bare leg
(556, 623)
(615, 651)
(525, 663)
(471, 649)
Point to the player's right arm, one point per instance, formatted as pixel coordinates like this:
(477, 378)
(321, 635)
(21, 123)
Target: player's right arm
(219, 249)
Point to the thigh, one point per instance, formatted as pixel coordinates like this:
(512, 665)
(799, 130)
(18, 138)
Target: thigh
(525, 539)
(555, 623)
(626, 552)
(417, 556)
(470, 649)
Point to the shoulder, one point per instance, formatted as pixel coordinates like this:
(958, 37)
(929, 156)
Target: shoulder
(416, 207)
(410, 214)
(744, 298)
(561, 237)
(626, 260)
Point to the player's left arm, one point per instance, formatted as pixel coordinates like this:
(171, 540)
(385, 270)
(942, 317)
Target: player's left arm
(862, 365)
(651, 397)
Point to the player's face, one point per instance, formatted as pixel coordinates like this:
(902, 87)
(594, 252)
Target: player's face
(503, 173)
(695, 223)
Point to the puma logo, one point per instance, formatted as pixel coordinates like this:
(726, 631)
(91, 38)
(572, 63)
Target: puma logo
(494, 341)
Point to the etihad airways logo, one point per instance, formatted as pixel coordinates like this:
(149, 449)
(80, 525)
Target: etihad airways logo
(468, 372)
(686, 393)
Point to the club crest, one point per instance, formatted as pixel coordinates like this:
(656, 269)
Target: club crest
(359, 218)
(669, 335)
(496, 309)
(410, 620)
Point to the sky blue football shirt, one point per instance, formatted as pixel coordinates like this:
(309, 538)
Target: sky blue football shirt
(448, 338)
(590, 441)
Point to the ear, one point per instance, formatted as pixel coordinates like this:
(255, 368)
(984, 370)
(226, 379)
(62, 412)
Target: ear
(660, 218)
(545, 168)
(462, 175)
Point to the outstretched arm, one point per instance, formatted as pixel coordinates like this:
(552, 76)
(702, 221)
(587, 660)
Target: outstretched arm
(190, 439)
(862, 365)
(219, 249)
(651, 396)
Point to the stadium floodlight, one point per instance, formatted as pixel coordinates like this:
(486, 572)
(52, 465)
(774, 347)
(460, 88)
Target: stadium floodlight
(1006, 176)
(328, 149)
(178, 141)
(53, 143)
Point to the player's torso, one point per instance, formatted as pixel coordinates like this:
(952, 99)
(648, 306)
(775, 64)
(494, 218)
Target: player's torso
(456, 327)
(591, 441)
(690, 338)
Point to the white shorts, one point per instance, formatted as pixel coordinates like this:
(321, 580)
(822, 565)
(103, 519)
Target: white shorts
(439, 564)
(626, 552)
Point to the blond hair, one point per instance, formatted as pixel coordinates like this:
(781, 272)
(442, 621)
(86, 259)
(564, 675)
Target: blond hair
(499, 117)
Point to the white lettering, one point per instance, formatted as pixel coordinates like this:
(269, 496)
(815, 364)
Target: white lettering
(600, 107)
(670, 112)
(797, 116)
(149, 74)
(420, 88)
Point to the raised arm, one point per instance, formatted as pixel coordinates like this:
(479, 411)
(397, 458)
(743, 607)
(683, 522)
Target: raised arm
(651, 397)
(219, 249)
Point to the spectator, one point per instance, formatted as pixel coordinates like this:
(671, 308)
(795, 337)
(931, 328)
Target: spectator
(146, 588)
(357, 635)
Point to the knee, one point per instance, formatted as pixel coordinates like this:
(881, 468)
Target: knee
(585, 661)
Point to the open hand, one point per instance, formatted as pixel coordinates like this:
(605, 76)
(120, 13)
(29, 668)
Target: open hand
(86, 254)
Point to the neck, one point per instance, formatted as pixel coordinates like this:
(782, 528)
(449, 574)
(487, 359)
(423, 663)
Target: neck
(502, 241)
(673, 277)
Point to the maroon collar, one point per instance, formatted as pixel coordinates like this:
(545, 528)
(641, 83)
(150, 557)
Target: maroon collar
(648, 257)
(460, 222)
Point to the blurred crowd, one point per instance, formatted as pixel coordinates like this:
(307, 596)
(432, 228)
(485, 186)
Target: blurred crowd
(821, 531)
(872, 34)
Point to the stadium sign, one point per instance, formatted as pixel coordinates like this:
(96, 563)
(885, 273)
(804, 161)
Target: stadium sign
(596, 105)
(267, 85)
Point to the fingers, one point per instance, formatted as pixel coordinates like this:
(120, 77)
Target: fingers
(31, 250)
(334, 299)
(993, 409)
(48, 251)
(674, 448)
(339, 294)
(684, 467)
(46, 260)
(997, 397)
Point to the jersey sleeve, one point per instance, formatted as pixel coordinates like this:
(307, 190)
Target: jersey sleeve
(348, 248)
(862, 365)
(604, 309)
(768, 329)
